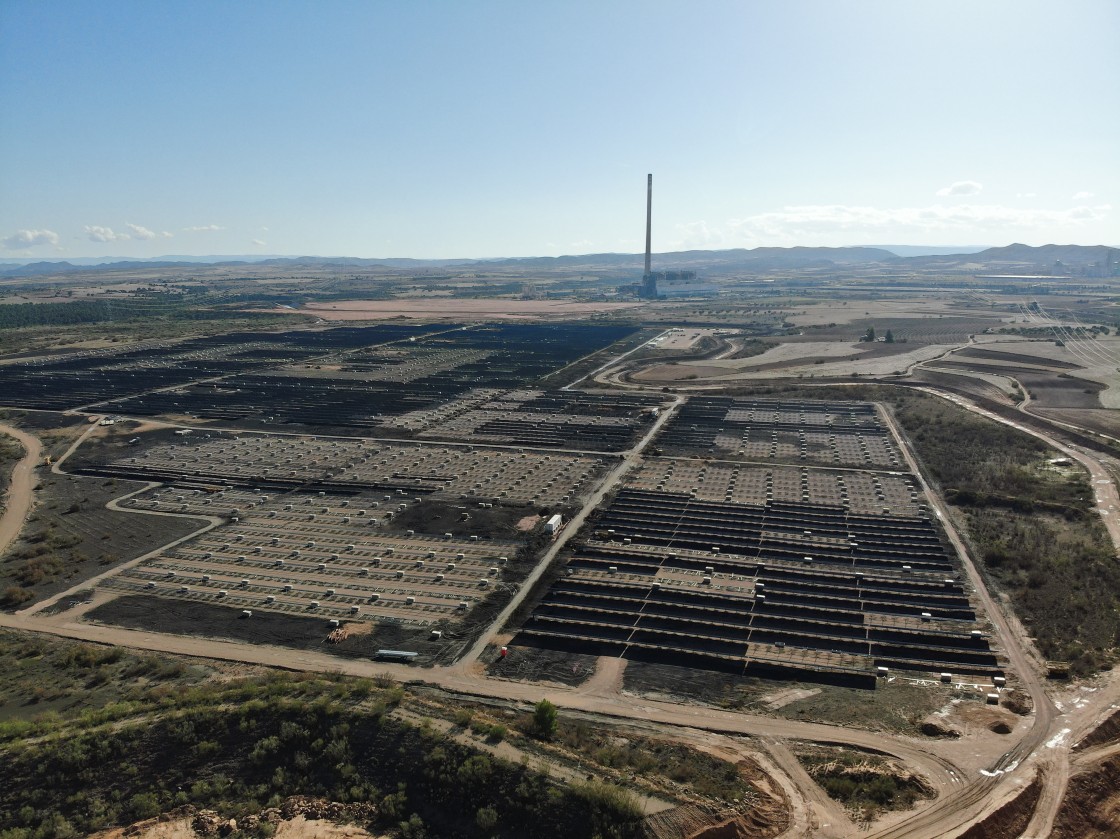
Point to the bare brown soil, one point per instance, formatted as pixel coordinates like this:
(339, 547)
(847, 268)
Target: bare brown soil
(1059, 391)
(676, 373)
(1016, 358)
(955, 362)
(967, 385)
(1091, 806)
(1104, 420)
(974, 716)
(867, 351)
(914, 330)
(754, 825)
(527, 523)
(530, 664)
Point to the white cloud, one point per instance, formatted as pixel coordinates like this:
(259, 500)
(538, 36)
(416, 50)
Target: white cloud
(1082, 196)
(167, 234)
(960, 188)
(259, 243)
(836, 223)
(139, 232)
(203, 228)
(1025, 194)
(97, 233)
(29, 239)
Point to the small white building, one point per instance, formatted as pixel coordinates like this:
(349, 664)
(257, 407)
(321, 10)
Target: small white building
(554, 524)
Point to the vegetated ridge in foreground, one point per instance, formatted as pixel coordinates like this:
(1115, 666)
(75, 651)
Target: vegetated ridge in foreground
(240, 745)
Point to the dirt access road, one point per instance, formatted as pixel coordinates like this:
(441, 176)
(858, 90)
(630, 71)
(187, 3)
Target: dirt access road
(21, 489)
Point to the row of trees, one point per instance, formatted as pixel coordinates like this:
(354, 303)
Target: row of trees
(870, 335)
(23, 315)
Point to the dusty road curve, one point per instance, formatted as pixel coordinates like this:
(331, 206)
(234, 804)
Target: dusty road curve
(21, 489)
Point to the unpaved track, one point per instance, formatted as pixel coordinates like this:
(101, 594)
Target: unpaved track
(828, 818)
(1011, 642)
(21, 488)
(56, 467)
(607, 679)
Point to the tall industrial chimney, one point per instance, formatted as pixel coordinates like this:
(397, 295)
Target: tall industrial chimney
(649, 220)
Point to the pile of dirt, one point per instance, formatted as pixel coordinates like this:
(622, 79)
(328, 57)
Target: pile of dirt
(1011, 819)
(976, 717)
(1018, 702)
(936, 726)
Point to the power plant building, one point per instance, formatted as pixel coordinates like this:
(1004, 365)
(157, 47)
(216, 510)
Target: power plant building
(658, 284)
(670, 284)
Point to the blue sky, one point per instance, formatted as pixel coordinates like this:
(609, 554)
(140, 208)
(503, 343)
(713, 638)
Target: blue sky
(479, 129)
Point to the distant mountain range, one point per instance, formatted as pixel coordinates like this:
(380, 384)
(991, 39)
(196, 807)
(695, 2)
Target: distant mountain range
(737, 259)
(923, 250)
(1012, 255)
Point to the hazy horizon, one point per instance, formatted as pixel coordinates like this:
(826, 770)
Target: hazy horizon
(898, 250)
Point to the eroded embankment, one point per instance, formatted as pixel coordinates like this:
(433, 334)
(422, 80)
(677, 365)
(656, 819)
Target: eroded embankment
(1010, 820)
(1091, 806)
(1107, 732)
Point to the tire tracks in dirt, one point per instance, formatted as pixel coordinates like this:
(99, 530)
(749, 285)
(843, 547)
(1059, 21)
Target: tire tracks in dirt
(21, 488)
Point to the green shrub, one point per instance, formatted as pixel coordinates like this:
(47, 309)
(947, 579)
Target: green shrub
(545, 720)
